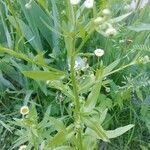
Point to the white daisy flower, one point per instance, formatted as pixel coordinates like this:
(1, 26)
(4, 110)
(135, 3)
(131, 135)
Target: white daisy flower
(74, 2)
(89, 3)
(99, 52)
(24, 110)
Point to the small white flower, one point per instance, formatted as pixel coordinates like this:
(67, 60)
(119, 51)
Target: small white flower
(24, 110)
(99, 52)
(89, 3)
(74, 2)
(28, 5)
(106, 12)
(111, 31)
(98, 20)
(23, 147)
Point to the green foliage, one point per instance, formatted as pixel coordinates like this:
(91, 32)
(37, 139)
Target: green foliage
(77, 99)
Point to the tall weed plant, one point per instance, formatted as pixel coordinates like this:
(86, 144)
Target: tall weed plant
(80, 78)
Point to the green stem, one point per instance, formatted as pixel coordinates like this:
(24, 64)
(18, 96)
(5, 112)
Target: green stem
(77, 103)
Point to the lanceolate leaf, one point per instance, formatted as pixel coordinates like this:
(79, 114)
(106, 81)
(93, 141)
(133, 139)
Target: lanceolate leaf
(110, 67)
(140, 27)
(119, 131)
(93, 96)
(120, 18)
(96, 126)
(43, 75)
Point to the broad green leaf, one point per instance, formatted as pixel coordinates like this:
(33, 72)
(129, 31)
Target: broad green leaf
(58, 139)
(61, 137)
(43, 75)
(93, 96)
(96, 126)
(119, 131)
(140, 27)
(120, 18)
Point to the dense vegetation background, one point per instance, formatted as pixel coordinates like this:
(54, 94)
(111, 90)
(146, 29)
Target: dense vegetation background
(33, 38)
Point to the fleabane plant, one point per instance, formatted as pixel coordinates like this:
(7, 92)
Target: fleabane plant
(80, 84)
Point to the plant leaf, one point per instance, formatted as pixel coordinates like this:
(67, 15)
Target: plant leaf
(95, 125)
(110, 67)
(43, 75)
(140, 27)
(93, 96)
(120, 18)
(119, 131)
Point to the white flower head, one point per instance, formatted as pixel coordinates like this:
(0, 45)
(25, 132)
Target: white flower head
(28, 5)
(106, 12)
(24, 110)
(111, 31)
(23, 147)
(74, 2)
(89, 3)
(99, 20)
(99, 52)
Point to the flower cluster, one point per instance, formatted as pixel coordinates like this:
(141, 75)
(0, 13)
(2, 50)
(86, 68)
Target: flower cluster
(102, 24)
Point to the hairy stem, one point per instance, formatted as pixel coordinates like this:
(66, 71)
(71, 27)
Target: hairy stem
(77, 103)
